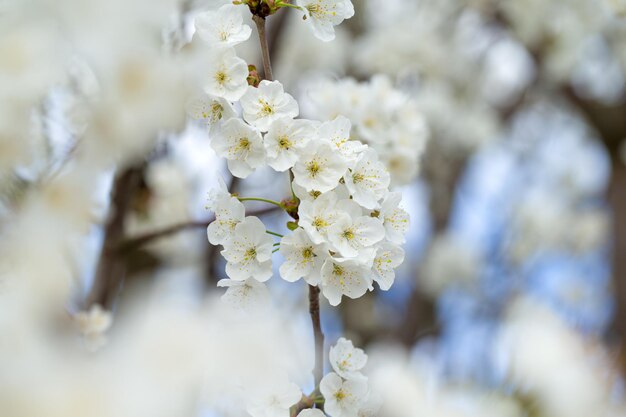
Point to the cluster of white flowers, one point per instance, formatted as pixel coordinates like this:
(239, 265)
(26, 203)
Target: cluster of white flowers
(340, 245)
(350, 225)
(346, 389)
(383, 117)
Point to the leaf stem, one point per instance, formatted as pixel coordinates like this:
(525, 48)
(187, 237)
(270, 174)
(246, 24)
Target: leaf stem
(265, 200)
(273, 233)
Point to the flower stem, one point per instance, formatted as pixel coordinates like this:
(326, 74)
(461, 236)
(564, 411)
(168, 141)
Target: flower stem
(265, 50)
(265, 200)
(275, 250)
(293, 6)
(273, 233)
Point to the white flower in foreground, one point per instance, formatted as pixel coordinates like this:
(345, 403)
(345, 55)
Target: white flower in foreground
(303, 258)
(93, 325)
(95, 321)
(347, 360)
(249, 251)
(338, 133)
(352, 233)
(229, 212)
(324, 15)
(284, 140)
(222, 27)
(343, 398)
(388, 257)
(241, 145)
(344, 277)
(264, 104)
(215, 195)
(245, 295)
(368, 181)
(227, 75)
(316, 216)
(320, 168)
(273, 400)
(395, 219)
(210, 109)
(311, 412)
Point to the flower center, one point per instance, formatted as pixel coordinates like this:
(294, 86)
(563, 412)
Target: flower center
(307, 253)
(216, 109)
(244, 143)
(250, 253)
(221, 77)
(340, 395)
(337, 270)
(320, 223)
(284, 142)
(358, 177)
(266, 108)
(314, 168)
(348, 234)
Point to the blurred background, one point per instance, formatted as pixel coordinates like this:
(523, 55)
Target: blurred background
(503, 123)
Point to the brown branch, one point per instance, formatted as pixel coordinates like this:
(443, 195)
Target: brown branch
(314, 311)
(111, 268)
(265, 51)
(137, 241)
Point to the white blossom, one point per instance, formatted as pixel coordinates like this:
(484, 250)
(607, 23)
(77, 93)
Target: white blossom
(337, 131)
(346, 360)
(303, 258)
(222, 27)
(229, 212)
(93, 325)
(241, 145)
(324, 15)
(212, 110)
(352, 233)
(248, 295)
(320, 167)
(284, 141)
(316, 216)
(227, 75)
(215, 195)
(388, 257)
(274, 399)
(249, 251)
(395, 219)
(343, 398)
(344, 277)
(368, 180)
(264, 104)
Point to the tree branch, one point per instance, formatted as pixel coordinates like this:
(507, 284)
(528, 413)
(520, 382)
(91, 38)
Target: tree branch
(111, 269)
(265, 50)
(137, 241)
(314, 311)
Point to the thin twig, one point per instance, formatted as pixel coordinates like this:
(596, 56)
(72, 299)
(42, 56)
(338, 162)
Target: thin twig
(265, 50)
(137, 241)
